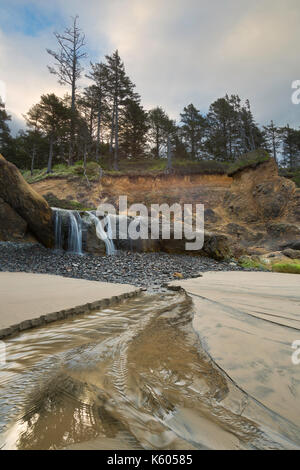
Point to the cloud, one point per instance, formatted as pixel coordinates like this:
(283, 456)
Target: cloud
(175, 51)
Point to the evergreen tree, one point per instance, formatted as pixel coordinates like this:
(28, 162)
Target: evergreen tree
(134, 128)
(193, 130)
(52, 118)
(290, 147)
(272, 137)
(160, 127)
(6, 140)
(120, 89)
(231, 129)
(221, 125)
(99, 75)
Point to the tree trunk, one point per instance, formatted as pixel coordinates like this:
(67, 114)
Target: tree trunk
(157, 142)
(274, 147)
(169, 154)
(193, 146)
(112, 130)
(72, 130)
(116, 137)
(98, 130)
(32, 160)
(49, 169)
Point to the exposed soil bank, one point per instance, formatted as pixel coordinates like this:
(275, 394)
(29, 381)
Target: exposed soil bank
(205, 189)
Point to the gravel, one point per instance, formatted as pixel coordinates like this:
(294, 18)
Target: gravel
(140, 269)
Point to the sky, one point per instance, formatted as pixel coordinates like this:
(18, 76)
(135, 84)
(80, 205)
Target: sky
(176, 51)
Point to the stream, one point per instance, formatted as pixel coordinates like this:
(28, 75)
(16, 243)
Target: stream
(133, 376)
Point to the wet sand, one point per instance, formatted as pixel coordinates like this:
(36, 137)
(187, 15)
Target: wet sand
(210, 369)
(247, 322)
(25, 296)
(138, 375)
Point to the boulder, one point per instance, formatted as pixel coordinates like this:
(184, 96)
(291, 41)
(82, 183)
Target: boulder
(290, 253)
(91, 243)
(215, 245)
(12, 226)
(283, 231)
(294, 244)
(28, 204)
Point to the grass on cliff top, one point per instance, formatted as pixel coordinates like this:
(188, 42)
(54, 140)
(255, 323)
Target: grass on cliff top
(64, 171)
(54, 201)
(290, 268)
(250, 159)
(147, 166)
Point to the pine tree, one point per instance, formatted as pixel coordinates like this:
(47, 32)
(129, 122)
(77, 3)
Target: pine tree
(193, 130)
(221, 129)
(160, 127)
(33, 122)
(99, 75)
(52, 118)
(272, 137)
(120, 89)
(290, 147)
(5, 136)
(134, 128)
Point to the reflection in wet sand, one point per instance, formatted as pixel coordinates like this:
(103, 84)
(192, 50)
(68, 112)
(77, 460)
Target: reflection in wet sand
(128, 377)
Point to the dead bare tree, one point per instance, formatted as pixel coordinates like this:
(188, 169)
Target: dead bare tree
(68, 67)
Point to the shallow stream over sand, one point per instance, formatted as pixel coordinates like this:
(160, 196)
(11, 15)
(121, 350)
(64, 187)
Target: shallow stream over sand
(128, 377)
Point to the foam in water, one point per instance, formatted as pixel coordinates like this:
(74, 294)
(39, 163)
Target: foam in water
(74, 228)
(75, 233)
(105, 236)
(58, 229)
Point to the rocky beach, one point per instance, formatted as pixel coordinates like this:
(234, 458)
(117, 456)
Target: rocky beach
(139, 269)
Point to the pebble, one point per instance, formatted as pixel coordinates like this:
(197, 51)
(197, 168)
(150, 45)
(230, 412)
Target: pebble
(139, 269)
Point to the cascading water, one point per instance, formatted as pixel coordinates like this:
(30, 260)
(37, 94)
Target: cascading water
(58, 229)
(67, 230)
(69, 227)
(104, 236)
(75, 233)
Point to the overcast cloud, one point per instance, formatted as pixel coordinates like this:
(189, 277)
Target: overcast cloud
(176, 51)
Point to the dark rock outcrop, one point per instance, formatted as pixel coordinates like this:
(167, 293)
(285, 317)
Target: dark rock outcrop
(26, 204)
(12, 226)
(215, 245)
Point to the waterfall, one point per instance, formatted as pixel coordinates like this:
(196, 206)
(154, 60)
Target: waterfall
(67, 230)
(75, 233)
(105, 236)
(58, 229)
(69, 227)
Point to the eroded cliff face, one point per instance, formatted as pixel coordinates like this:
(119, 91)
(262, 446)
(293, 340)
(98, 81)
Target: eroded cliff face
(260, 209)
(205, 189)
(23, 212)
(256, 208)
